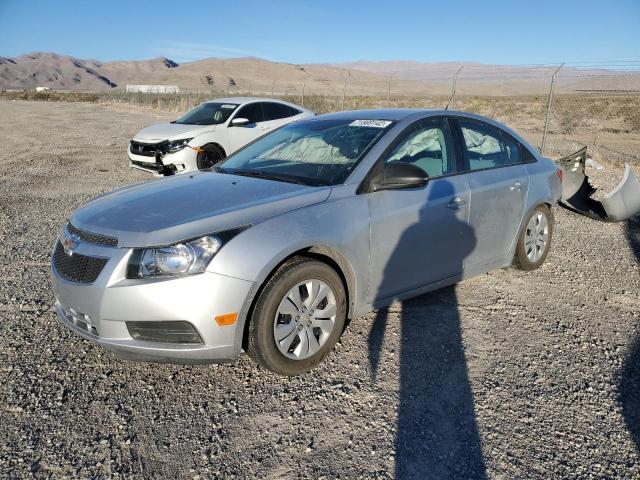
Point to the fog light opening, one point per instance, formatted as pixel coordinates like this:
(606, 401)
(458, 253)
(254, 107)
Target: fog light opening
(180, 332)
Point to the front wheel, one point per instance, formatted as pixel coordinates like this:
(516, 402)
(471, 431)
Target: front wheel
(535, 239)
(209, 156)
(298, 317)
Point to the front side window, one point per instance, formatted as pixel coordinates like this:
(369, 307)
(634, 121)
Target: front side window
(427, 146)
(313, 152)
(483, 145)
(208, 114)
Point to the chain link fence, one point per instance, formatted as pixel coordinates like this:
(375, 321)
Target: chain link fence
(559, 108)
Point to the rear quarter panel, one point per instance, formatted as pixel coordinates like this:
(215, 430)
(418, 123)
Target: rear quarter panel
(544, 184)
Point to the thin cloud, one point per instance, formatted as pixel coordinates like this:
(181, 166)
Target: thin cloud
(186, 52)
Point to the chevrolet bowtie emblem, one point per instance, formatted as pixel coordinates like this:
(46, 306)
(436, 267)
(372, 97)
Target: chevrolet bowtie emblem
(70, 243)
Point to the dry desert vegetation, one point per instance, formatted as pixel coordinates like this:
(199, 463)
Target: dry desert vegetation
(508, 375)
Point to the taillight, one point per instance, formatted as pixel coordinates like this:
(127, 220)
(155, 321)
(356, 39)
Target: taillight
(559, 173)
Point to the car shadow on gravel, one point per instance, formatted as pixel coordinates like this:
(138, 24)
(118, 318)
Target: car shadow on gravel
(629, 386)
(437, 434)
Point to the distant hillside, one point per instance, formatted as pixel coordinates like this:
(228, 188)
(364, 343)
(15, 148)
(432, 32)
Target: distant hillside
(262, 76)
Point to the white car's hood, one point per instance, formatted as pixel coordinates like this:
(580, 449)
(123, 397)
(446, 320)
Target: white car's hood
(171, 131)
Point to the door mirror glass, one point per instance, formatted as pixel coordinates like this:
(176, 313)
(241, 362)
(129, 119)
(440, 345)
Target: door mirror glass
(398, 175)
(239, 122)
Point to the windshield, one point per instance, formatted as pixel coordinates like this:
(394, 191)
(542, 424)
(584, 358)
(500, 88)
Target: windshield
(313, 152)
(208, 114)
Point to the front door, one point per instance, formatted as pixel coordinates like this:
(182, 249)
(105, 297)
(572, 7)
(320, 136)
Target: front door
(240, 135)
(421, 235)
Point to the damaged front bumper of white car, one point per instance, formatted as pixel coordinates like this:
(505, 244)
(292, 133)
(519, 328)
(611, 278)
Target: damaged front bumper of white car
(155, 158)
(618, 205)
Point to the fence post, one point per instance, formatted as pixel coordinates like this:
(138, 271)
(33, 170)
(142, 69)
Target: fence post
(344, 89)
(453, 88)
(389, 90)
(548, 114)
(302, 102)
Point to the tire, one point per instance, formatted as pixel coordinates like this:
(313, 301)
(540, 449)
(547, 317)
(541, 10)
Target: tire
(535, 238)
(268, 322)
(210, 155)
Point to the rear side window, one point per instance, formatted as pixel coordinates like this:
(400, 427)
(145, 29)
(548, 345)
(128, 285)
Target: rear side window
(253, 112)
(426, 145)
(483, 145)
(276, 111)
(513, 149)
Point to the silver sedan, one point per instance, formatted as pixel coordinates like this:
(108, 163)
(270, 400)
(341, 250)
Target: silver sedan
(320, 220)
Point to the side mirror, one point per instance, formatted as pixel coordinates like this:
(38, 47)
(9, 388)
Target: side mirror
(398, 175)
(239, 122)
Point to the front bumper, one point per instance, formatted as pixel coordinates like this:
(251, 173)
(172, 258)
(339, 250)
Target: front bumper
(182, 161)
(99, 311)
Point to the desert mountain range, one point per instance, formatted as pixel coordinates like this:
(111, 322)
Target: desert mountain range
(256, 75)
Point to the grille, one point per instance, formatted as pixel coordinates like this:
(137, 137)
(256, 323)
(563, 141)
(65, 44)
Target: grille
(93, 237)
(77, 268)
(148, 166)
(146, 149)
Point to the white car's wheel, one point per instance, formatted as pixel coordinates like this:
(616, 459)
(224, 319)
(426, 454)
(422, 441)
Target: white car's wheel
(209, 156)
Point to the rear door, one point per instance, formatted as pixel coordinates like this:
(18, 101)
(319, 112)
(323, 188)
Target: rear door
(420, 235)
(239, 136)
(498, 183)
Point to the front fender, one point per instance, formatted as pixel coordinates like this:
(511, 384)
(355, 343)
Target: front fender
(219, 136)
(337, 228)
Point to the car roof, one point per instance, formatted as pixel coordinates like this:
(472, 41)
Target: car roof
(241, 100)
(411, 114)
(395, 114)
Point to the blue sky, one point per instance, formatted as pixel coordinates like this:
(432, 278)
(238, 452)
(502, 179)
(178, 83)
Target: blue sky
(502, 32)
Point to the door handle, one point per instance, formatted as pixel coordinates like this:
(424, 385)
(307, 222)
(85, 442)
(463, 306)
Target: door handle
(456, 202)
(516, 186)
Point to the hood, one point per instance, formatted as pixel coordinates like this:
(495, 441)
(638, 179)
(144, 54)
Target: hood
(171, 131)
(169, 210)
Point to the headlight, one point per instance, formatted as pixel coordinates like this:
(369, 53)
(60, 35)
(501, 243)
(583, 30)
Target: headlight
(176, 145)
(179, 259)
(185, 258)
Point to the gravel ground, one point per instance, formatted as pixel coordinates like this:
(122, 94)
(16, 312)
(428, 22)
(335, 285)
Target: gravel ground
(508, 375)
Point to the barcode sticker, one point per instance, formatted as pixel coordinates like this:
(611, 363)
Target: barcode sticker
(370, 123)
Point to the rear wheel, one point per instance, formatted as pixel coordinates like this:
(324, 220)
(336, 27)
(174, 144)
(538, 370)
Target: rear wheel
(298, 317)
(209, 156)
(535, 239)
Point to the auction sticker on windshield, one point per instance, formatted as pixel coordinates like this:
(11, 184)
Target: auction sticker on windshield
(370, 123)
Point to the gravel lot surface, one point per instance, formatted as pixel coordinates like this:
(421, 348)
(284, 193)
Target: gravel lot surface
(508, 375)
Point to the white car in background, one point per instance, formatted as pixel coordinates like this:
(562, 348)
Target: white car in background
(205, 135)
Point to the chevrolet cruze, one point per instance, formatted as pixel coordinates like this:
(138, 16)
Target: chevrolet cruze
(325, 218)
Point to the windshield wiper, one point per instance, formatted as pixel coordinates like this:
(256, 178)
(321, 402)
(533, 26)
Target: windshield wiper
(279, 177)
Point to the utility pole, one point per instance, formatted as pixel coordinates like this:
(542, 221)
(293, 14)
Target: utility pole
(547, 116)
